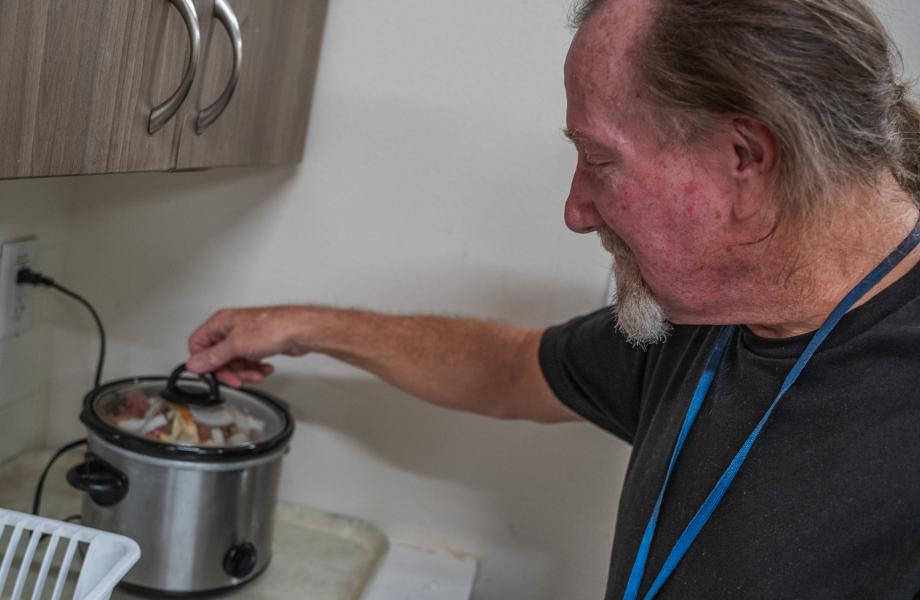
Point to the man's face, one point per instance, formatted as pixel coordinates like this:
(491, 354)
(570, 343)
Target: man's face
(661, 209)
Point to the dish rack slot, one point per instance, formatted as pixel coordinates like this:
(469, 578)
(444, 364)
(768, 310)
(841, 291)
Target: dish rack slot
(45, 559)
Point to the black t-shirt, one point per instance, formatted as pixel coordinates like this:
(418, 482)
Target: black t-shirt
(827, 504)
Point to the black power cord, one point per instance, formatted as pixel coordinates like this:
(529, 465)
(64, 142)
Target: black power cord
(30, 277)
(37, 499)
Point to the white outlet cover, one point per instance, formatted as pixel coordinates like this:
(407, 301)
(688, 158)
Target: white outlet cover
(15, 300)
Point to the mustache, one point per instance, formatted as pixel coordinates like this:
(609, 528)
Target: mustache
(614, 244)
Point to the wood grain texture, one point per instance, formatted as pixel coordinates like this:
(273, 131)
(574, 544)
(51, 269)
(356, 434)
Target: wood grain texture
(266, 120)
(22, 43)
(80, 82)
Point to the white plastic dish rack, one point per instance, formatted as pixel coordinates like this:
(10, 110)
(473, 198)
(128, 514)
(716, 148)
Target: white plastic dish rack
(108, 558)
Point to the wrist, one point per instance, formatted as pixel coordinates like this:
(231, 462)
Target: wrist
(295, 328)
(308, 329)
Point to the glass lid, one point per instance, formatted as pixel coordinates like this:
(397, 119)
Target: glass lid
(146, 409)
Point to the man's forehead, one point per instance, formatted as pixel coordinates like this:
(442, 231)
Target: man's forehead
(601, 54)
(605, 106)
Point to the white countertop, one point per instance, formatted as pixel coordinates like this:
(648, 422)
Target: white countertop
(409, 573)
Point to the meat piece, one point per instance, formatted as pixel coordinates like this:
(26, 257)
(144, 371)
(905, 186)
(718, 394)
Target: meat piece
(204, 433)
(157, 434)
(134, 405)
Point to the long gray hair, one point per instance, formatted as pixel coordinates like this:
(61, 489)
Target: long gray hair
(823, 75)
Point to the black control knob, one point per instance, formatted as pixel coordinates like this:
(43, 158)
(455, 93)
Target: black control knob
(240, 560)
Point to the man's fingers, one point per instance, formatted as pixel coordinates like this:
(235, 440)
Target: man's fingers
(228, 377)
(250, 371)
(211, 359)
(237, 377)
(216, 347)
(244, 364)
(238, 371)
(211, 331)
(250, 376)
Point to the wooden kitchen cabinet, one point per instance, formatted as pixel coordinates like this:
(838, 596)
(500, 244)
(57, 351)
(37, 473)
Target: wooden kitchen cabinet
(265, 121)
(79, 79)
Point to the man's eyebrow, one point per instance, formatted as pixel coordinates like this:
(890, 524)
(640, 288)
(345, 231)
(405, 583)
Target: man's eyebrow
(581, 141)
(573, 136)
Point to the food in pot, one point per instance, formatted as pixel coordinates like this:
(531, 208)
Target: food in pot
(161, 421)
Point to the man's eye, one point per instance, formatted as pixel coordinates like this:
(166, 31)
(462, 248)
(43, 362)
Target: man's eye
(601, 166)
(596, 162)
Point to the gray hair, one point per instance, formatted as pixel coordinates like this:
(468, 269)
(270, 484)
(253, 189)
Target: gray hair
(823, 75)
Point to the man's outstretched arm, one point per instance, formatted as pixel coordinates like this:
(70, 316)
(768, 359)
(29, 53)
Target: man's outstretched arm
(463, 364)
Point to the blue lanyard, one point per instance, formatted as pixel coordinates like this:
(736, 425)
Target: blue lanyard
(712, 366)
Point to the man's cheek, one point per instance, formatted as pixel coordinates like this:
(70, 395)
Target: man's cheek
(635, 215)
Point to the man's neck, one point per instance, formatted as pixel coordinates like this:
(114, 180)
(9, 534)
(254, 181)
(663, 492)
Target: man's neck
(833, 264)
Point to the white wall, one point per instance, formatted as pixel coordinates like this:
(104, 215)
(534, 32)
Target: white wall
(433, 181)
(30, 208)
(902, 17)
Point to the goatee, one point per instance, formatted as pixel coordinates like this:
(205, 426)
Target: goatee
(639, 317)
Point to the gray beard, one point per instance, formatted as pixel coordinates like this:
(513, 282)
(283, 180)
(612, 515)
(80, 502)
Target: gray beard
(639, 317)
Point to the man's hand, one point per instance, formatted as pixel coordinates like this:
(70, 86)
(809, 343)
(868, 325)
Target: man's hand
(234, 342)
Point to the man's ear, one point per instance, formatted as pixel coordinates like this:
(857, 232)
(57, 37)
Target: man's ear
(754, 166)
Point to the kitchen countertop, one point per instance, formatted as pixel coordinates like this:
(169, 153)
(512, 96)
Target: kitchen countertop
(330, 556)
(410, 573)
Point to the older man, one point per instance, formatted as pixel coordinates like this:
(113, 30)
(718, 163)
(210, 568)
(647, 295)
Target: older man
(752, 165)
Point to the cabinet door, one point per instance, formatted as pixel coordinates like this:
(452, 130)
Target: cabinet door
(22, 40)
(265, 121)
(79, 81)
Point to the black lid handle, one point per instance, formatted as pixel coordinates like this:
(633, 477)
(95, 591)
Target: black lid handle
(176, 394)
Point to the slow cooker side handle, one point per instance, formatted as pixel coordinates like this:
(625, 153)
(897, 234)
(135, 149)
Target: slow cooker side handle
(106, 485)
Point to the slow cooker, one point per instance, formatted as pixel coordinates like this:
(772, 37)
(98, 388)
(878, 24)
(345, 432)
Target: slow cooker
(189, 469)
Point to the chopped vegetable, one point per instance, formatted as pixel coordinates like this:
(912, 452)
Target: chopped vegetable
(218, 436)
(157, 422)
(153, 418)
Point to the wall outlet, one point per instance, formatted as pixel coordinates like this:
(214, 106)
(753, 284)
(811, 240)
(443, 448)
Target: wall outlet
(15, 300)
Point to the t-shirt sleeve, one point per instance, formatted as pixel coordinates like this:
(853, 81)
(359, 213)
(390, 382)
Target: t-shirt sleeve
(594, 371)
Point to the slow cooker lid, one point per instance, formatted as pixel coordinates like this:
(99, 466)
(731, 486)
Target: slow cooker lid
(138, 408)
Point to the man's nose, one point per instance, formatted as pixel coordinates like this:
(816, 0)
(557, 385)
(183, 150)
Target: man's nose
(581, 214)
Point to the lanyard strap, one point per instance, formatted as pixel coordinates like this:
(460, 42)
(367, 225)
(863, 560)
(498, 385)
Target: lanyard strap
(712, 366)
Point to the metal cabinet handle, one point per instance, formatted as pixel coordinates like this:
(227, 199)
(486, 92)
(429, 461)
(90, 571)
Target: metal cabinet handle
(164, 112)
(228, 19)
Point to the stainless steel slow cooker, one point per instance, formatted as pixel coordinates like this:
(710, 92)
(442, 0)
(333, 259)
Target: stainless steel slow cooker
(190, 470)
